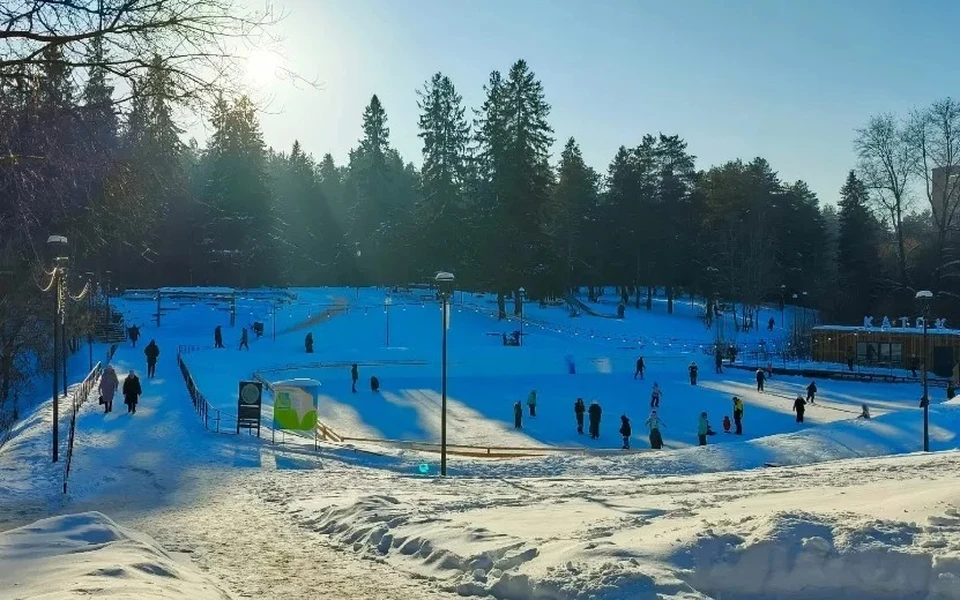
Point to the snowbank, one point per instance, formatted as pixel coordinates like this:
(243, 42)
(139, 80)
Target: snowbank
(88, 555)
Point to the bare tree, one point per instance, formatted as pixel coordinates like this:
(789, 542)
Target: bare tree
(934, 135)
(886, 165)
(198, 41)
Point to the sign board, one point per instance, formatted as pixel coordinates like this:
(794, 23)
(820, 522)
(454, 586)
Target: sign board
(295, 403)
(249, 403)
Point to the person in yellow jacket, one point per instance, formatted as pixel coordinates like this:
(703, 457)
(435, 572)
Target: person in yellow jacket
(738, 415)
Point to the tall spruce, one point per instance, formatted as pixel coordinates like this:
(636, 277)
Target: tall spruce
(858, 259)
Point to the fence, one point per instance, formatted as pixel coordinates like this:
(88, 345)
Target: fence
(213, 418)
(80, 395)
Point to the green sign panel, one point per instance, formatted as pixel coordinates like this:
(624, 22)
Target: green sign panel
(295, 404)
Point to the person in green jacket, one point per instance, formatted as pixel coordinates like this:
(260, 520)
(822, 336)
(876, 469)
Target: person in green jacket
(703, 429)
(532, 402)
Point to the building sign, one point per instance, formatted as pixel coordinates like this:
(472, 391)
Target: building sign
(295, 403)
(249, 403)
(904, 323)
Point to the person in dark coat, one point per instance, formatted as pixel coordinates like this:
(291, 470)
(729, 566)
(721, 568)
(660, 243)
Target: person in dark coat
(131, 392)
(718, 361)
(518, 415)
(355, 377)
(308, 343)
(640, 368)
(244, 340)
(812, 392)
(579, 408)
(850, 359)
(951, 391)
(761, 377)
(799, 407)
(374, 384)
(770, 324)
(625, 431)
(694, 369)
(914, 365)
(152, 351)
(594, 412)
(134, 335)
(218, 337)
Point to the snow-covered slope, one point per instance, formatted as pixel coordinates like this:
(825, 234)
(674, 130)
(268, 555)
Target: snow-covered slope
(89, 556)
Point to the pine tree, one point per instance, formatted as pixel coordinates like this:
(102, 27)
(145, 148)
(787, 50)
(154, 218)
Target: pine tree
(574, 204)
(857, 249)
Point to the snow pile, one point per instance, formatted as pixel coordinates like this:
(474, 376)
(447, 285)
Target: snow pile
(88, 555)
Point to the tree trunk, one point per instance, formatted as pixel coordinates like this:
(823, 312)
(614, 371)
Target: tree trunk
(6, 373)
(517, 303)
(649, 297)
(669, 300)
(501, 306)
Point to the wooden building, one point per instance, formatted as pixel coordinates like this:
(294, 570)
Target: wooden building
(893, 347)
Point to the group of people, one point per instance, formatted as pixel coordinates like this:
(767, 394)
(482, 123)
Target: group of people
(110, 383)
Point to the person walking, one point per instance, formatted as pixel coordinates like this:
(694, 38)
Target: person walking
(625, 431)
(244, 340)
(109, 384)
(761, 377)
(655, 396)
(131, 392)
(799, 407)
(308, 343)
(703, 429)
(579, 408)
(812, 392)
(354, 377)
(718, 361)
(532, 403)
(693, 368)
(594, 413)
(640, 368)
(134, 335)
(218, 337)
(518, 415)
(152, 352)
(654, 424)
(738, 415)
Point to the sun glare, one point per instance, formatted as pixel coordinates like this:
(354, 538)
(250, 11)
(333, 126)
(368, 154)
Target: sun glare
(262, 67)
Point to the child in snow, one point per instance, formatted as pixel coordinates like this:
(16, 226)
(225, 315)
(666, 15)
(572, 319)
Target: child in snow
(799, 406)
(374, 384)
(865, 411)
(518, 415)
(726, 423)
(579, 408)
(812, 392)
(532, 403)
(703, 429)
(653, 425)
(693, 373)
(655, 396)
(625, 431)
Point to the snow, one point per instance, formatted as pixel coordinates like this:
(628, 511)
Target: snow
(87, 554)
(851, 511)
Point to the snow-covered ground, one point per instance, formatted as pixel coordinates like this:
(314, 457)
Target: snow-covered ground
(577, 519)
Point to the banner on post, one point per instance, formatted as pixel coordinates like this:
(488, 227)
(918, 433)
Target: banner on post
(295, 403)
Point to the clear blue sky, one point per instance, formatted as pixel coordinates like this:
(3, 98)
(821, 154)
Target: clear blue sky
(788, 80)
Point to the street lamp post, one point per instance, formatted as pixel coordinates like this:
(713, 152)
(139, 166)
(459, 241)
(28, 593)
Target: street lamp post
(57, 245)
(444, 283)
(521, 291)
(925, 296)
(386, 307)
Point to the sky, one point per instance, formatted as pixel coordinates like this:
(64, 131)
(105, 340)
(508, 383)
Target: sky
(786, 80)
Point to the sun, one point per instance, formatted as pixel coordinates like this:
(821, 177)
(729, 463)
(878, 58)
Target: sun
(262, 67)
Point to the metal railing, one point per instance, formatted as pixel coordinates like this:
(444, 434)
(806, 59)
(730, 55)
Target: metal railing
(80, 396)
(212, 417)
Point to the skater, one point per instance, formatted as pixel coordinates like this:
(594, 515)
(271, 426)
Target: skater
(354, 376)
(579, 408)
(109, 383)
(653, 425)
(864, 411)
(374, 384)
(244, 340)
(518, 415)
(134, 335)
(693, 373)
(718, 361)
(738, 414)
(726, 423)
(152, 351)
(218, 337)
(640, 368)
(655, 396)
(532, 403)
(625, 431)
(951, 391)
(703, 429)
(799, 406)
(812, 392)
(308, 343)
(761, 377)
(131, 392)
(594, 412)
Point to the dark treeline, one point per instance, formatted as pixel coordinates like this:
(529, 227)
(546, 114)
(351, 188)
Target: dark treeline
(487, 202)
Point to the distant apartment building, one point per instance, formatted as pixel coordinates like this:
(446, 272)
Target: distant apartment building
(946, 189)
